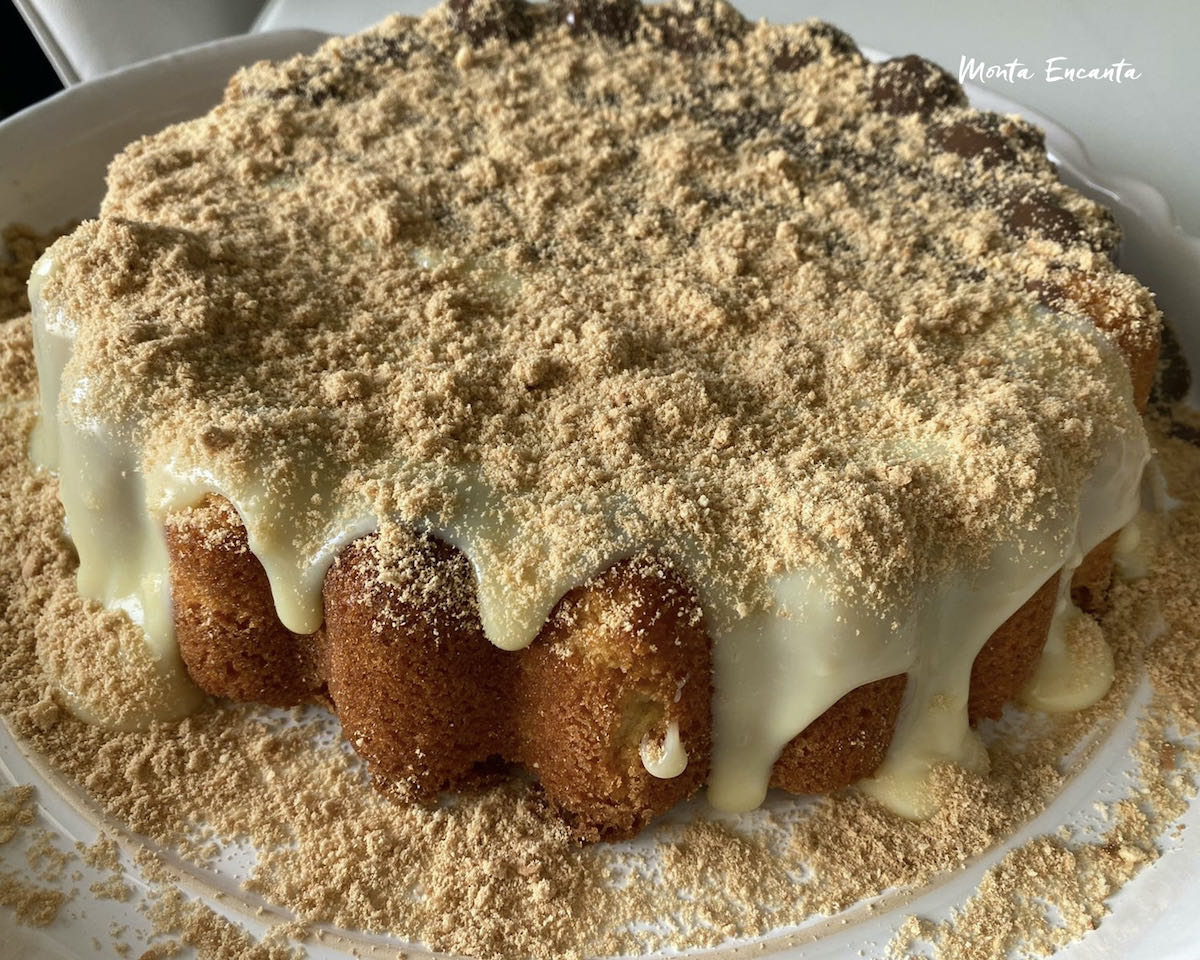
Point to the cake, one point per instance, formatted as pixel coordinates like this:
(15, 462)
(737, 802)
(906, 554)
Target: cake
(636, 397)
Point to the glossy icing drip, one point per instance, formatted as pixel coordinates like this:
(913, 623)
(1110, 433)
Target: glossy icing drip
(775, 670)
(122, 553)
(667, 759)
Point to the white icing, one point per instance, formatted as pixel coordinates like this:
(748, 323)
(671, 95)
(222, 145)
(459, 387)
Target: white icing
(774, 671)
(665, 760)
(480, 528)
(53, 338)
(1077, 668)
(121, 548)
(1136, 545)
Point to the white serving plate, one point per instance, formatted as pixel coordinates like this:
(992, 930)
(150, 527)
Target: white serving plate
(52, 162)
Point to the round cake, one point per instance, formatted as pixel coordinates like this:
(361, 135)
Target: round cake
(633, 396)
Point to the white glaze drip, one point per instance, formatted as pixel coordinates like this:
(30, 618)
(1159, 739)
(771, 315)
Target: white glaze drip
(1077, 668)
(932, 727)
(1136, 546)
(104, 500)
(775, 672)
(665, 760)
(480, 528)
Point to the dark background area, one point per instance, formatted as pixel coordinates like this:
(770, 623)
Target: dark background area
(25, 74)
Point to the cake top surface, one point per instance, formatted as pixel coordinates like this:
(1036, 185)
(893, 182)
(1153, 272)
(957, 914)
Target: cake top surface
(648, 276)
